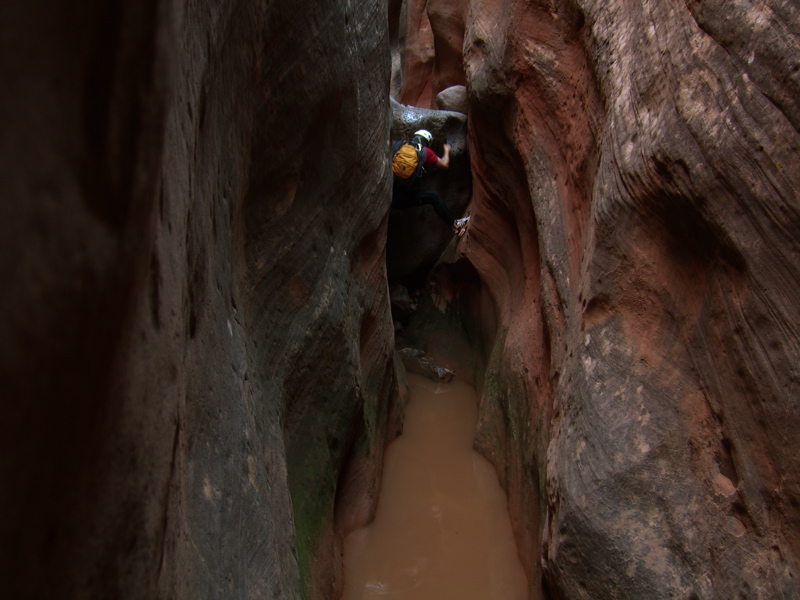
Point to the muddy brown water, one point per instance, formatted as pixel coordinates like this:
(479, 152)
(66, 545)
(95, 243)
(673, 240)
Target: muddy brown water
(441, 529)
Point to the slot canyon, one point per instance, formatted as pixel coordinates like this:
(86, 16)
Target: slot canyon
(212, 312)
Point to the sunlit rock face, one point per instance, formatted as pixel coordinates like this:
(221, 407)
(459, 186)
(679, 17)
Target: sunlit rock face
(635, 239)
(196, 332)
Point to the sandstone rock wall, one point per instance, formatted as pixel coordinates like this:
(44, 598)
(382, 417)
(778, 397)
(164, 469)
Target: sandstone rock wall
(427, 42)
(194, 339)
(635, 214)
(196, 349)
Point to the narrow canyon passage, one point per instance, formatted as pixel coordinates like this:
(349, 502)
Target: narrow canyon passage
(442, 529)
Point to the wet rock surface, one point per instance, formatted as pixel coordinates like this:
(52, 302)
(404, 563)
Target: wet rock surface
(417, 362)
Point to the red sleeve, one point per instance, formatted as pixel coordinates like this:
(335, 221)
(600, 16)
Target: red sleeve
(430, 157)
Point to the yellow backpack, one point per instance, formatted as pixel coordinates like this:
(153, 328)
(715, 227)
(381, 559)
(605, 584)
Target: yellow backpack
(407, 161)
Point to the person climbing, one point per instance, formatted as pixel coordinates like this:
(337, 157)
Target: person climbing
(409, 159)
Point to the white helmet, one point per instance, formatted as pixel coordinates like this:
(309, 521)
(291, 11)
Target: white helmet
(425, 134)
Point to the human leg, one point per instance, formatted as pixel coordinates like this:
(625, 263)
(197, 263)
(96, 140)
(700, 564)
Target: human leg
(433, 198)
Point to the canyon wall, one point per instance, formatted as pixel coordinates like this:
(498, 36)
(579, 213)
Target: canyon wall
(196, 357)
(634, 261)
(194, 339)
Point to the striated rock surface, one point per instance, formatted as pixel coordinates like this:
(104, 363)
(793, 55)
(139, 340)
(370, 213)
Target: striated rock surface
(634, 256)
(196, 354)
(194, 342)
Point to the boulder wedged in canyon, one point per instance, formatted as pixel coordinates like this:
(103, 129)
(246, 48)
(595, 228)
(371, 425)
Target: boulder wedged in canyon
(634, 243)
(194, 342)
(454, 98)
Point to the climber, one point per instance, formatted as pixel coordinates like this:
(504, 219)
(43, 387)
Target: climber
(409, 159)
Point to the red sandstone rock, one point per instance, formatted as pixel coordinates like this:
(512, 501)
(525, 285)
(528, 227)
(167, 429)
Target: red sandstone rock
(635, 224)
(415, 56)
(430, 59)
